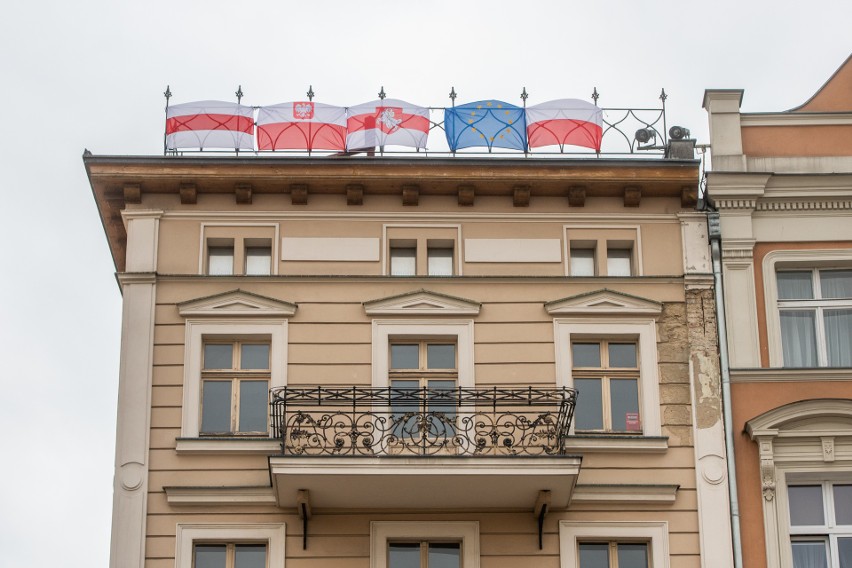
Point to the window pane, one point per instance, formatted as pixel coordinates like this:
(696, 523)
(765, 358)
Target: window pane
(403, 261)
(798, 338)
(220, 260)
(440, 356)
(836, 283)
(843, 504)
(404, 555)
(795, 285)
(586, 354)
(618, 262)
(444, 555)
(210, 555)
(250, 556)
(806, 505)
(594, 555)
(216, 406)
(588, 414)
(405, 356)
(624, 399)
(218, 356)
(622, 355)
(809, 554)
(258, 260)
(633, 555)
(254, 356)
(440, 261)
(844, 551)
(253, 399)
(838, 337)
(582, 262)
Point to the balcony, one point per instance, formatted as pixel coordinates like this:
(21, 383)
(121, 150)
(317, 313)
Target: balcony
(424, 448)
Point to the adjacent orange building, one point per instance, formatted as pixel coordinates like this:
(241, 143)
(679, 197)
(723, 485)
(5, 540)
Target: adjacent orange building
(782, 184)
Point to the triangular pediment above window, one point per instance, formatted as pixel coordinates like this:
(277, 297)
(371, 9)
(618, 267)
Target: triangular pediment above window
(422, 302)
(236, 303)
(604, 302)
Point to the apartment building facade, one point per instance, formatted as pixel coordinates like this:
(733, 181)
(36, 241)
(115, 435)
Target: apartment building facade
(371, 361)
(782, 184)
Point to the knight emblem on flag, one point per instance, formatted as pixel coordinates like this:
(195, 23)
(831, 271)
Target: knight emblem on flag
(303, 110)
(389, 118)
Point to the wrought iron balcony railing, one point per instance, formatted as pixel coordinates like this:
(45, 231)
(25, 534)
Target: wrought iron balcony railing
(392, 421)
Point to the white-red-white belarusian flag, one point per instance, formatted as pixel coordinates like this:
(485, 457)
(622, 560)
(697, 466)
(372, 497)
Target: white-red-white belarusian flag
(565, 121)
(301, 125)
(387, 122)
(210, 124)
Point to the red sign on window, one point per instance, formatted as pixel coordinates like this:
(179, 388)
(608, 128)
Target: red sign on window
(631, 420)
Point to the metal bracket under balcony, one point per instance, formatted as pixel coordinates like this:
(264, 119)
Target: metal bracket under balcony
(425, 449)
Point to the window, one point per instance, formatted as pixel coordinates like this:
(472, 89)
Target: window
(424, 544)
(220, 257)
(591, 544)
(619, 258)
(603, 251)
(821, 525)
(582, 258)
(606, 376)
(223, 545)
(258, 257)
(403, 259)
(613, 554)
(429, 365)
(815, 311)
(229, 556)
(234, 387)
(424, 554)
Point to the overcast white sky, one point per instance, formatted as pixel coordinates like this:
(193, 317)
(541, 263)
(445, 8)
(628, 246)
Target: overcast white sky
(90, 74)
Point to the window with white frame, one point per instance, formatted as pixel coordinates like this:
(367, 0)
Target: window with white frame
(591, 544)
(258, 257)
(427, 544)
(217, 545)
(821, 524)
(815, 312)
(403, 258)
(220, 257)
(234, 387)
(606, 376)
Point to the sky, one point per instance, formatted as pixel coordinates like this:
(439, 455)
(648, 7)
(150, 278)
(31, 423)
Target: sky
(91, 73)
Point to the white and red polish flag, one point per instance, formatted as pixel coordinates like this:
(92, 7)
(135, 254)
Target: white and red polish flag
(565, 121)
(210, 124)
(387, 122)
(301, 125)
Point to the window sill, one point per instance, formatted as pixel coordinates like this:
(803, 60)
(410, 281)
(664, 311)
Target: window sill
(610, 443)
(232, 445)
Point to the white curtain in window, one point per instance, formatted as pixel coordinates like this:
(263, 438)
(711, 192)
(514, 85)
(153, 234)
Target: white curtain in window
(798, 338)
(838, 337)
(809, 555)
(795, 285)
(836, 283)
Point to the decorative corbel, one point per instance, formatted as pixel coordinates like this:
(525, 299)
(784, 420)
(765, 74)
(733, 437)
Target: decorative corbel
(299, 194)
(354, 194)
(410, 195)
(632, 196)
(577, 196)
(767, 469)
(521, 196)
(132, 193)
(467, 193)
(243, 193)
(188, 193)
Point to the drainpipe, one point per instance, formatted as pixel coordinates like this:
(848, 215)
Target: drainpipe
(714, 231)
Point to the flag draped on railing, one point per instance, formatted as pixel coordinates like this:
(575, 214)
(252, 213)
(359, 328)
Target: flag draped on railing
(306, 125)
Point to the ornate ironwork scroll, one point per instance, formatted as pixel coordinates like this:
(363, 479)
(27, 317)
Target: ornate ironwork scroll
(426, 422)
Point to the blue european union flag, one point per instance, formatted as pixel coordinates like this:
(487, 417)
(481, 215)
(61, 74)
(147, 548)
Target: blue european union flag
(493, 124)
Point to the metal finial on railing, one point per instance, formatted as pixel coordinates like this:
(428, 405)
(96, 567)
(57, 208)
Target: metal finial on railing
(168, 94)
(524, 96)
(382, 94)
(663, 96)
(453, 95)
(595, 95)
(310, 92)
(239, 94)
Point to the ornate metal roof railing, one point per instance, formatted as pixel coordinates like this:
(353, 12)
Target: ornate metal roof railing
(358, 421)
